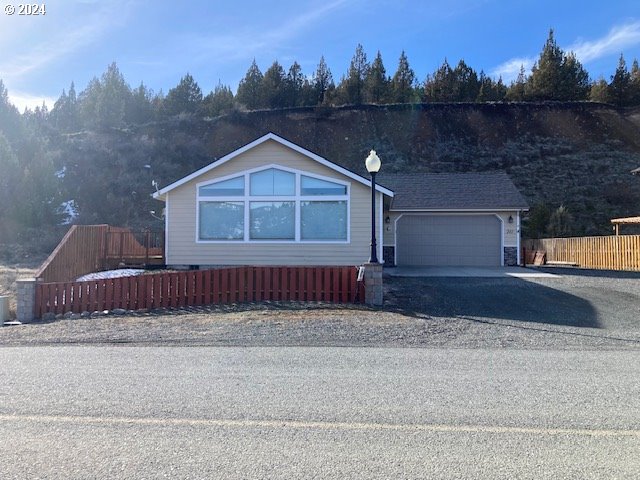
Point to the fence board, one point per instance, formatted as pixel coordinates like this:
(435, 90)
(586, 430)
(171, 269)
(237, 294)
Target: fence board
(227, 285)
(614, 252)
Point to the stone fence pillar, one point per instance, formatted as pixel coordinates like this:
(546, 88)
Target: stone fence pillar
(373, 283)
(26, 299)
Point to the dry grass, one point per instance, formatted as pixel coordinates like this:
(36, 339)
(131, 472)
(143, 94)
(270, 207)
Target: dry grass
(9, 273)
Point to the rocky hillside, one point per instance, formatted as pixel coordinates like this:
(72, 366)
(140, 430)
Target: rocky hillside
(574, 154)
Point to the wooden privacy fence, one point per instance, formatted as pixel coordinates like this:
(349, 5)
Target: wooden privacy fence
(616, 252)
(202, 287)
(91, 248)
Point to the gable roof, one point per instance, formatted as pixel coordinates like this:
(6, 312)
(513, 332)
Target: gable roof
(453, 191)
(160, 194)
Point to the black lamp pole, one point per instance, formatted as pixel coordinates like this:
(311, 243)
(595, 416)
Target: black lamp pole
(373, 257)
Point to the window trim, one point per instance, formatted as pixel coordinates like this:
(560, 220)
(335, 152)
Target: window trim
(297, 198)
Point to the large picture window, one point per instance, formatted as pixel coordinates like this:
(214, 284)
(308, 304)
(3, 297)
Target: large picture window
(274, 205)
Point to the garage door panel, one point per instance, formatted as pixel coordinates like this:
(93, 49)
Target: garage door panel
(449, 240)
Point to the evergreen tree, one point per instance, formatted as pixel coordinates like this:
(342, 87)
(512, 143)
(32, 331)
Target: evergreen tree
(635, 83)
(10, 120)
(352, 87)
(140, 109)
(377, 82)
(619, 91)
(113, 98)
(186, 97)
(599, 91)
(250, 88)
(64, 115)
(440, 87)
(517, 89)
(294, 87)
(403, 82)
(489, 90)
(466, 84)
(557, 76)
(322, 82)
(274, 86)
(219, 101)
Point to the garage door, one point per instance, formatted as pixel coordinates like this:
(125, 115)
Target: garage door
(440, 240)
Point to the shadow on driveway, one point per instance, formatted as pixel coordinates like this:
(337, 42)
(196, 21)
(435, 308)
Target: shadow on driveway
(498, 298)
(584, 272)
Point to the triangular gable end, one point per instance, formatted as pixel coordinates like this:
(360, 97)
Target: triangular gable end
(160, 194)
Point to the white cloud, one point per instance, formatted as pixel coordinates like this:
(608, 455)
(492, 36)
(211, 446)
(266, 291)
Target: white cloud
(510, 69)
(24, 100)
(618, 38)
(244, 43)
(59, 34)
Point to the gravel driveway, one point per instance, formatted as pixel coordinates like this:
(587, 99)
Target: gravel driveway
(580, 309)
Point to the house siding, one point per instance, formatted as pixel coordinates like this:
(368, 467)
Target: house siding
(183, 249)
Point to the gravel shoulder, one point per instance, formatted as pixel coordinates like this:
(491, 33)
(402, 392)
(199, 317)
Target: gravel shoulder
(585, 311)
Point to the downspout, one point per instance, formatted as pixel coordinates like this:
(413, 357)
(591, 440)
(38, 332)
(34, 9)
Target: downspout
(518, 236)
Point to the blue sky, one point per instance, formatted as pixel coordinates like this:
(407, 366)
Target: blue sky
(158, 41)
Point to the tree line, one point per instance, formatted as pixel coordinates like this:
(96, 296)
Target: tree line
(45, 163)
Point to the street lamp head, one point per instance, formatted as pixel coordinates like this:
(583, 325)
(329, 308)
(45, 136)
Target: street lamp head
(372, 162)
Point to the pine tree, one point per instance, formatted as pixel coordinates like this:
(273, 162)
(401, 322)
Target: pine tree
(322, 82)
(219, 101)
(250, 88)
(635, 83)
(186, 97)
(274, 86)
(140, 109)
(403, 82)
(466, 85)
(556, 75)
(599, 91)
(377, 82)
(517, 90)
(440, 87)
(114, 95)
(295, 82)
(620, 87)
(490, 91)
(352, 87)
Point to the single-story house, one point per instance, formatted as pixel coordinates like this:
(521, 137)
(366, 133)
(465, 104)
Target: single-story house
(273, 202)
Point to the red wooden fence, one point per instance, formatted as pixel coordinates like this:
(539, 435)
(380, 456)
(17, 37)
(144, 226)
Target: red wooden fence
(202, 287)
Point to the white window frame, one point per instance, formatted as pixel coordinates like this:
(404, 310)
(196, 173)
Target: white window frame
(297, 198)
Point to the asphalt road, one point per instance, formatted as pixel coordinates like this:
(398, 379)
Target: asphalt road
(330, 413)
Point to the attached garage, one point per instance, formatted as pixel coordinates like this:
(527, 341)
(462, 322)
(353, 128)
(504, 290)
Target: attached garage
(447, 240)
(452, 219)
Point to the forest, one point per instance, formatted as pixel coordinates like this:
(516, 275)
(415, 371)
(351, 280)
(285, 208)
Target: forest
(92, 157)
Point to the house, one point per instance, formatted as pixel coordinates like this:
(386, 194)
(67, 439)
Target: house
(273, 202)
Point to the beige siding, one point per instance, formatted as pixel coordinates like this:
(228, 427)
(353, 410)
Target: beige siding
(183, 249)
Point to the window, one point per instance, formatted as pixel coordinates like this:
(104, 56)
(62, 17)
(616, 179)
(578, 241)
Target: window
(221, 220)
(273, 221)
(227, 188)
(315, 186)
(273, 204)
(323, 220)
(273, 182)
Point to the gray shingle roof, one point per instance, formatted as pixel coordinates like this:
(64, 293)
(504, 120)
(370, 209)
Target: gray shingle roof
(464, 191)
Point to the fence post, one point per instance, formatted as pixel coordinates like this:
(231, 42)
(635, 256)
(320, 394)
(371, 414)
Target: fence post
(26, 299)
(373, 283)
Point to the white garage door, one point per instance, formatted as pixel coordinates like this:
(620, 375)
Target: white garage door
(441, 240)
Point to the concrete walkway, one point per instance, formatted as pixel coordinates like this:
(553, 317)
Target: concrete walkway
(489, 272)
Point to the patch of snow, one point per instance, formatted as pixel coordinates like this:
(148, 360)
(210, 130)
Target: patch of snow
(70, 209)
(61, 173)
(122, 272)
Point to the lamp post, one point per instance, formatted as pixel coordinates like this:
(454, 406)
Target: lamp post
(373, 166)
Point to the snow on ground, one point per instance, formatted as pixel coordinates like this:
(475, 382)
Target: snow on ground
(122, 272)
